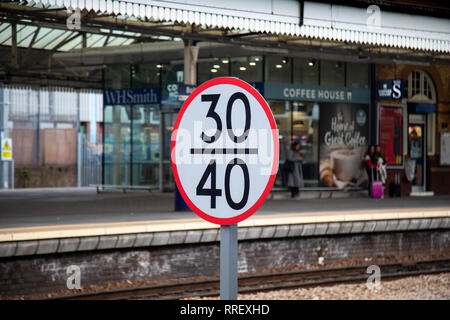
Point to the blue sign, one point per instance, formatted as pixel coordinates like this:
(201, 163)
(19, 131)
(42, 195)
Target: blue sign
(259, 86)
(131, 96)
(390, 89)
(421, 107)
(297, 92)
(186, 89)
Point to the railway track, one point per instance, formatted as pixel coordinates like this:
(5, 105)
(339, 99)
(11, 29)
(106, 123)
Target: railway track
(270, 281)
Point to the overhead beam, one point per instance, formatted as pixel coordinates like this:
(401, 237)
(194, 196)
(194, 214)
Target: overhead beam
(30, 46)
(14, 58)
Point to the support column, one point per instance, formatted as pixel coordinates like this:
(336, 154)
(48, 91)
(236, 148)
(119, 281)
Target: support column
(190, 62)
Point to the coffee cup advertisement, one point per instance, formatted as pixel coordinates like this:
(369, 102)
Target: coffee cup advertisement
(344, 138)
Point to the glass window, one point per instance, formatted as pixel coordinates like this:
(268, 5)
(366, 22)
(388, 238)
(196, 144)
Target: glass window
(278, 69)
(299, 121)
(117, 77)
(145, 76)
(117, 145)
(332, 73)
(207, 70)
(305, 129)
(145, 143)
(306, 71)
(247, 68)
(282, 115)
(357, 75)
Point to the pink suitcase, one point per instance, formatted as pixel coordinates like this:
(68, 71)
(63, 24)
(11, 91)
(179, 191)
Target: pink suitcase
(377, 188)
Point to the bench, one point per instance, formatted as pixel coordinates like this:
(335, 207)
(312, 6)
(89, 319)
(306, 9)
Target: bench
(124, 188)
(316, 189)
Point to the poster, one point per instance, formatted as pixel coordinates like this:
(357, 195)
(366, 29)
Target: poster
(445, 149)
(390, 134)
(344, 139)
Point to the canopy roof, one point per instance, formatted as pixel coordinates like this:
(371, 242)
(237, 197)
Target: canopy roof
(286, 17)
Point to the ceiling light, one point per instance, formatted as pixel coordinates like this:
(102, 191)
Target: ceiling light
(278, 66)
(159, 66)
(252, 63)
(284, 61)
(242, 68)
(213, 70)
(216, 66)
(311, 63)
(225, 61)
(256, 59)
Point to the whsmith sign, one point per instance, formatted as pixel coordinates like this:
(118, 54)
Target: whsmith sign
(131, 96)
(312, 93)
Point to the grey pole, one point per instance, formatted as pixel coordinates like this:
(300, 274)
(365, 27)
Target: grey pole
(79, 141)
(161, 150)
(228, 262)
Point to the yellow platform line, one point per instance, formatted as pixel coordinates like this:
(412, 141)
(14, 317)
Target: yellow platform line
(257, 220)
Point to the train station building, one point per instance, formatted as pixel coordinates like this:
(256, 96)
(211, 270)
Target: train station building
(89, 96)
(90, 92)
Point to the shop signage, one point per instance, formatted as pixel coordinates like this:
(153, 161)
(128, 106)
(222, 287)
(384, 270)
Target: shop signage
(390, 89)
(315, 93)
(344, 138)
(184, 90)
(131, 96)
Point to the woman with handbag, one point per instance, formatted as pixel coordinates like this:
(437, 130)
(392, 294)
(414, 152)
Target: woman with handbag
(295, 169)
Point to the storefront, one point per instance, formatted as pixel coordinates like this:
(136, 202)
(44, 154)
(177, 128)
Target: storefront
(332, 126)
(410, 121)
(322, 104)
(131, 136)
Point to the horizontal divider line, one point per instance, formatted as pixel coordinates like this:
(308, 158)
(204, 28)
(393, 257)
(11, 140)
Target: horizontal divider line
(224, 150)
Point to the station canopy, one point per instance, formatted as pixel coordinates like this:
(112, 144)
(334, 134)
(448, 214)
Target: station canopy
(398, 32)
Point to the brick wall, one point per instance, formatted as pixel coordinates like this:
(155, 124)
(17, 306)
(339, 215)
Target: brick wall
(46, 273)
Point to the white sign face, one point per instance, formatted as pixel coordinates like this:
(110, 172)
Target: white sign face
(6, 149)
(225, 150)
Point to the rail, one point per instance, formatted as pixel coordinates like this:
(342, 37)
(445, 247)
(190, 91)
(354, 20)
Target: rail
(269, 281)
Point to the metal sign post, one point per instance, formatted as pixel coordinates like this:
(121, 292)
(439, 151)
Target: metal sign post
(228, 262)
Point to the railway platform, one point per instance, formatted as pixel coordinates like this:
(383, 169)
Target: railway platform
(120, 240)
(43, 221)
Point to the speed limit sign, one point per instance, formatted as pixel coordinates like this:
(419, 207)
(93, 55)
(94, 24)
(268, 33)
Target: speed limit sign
(225, 150)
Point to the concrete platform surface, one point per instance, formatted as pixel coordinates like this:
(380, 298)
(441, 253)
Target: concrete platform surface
(68, 220)
(74, 206)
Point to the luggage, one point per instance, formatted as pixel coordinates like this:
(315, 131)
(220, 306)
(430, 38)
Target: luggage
(377, 188)
(394, 187)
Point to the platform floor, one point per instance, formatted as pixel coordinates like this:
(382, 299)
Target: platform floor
(25, 208)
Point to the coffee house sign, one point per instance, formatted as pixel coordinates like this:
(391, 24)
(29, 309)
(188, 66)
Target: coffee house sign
(314, 93)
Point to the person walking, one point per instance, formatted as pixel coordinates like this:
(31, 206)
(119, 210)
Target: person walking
(370, 163)
(295, 174)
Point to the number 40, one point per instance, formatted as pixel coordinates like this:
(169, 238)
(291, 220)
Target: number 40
(213, 192)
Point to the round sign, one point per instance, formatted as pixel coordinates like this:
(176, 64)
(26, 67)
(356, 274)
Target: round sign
(224, 150)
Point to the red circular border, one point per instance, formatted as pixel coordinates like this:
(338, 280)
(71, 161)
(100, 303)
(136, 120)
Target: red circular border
(245, 86)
